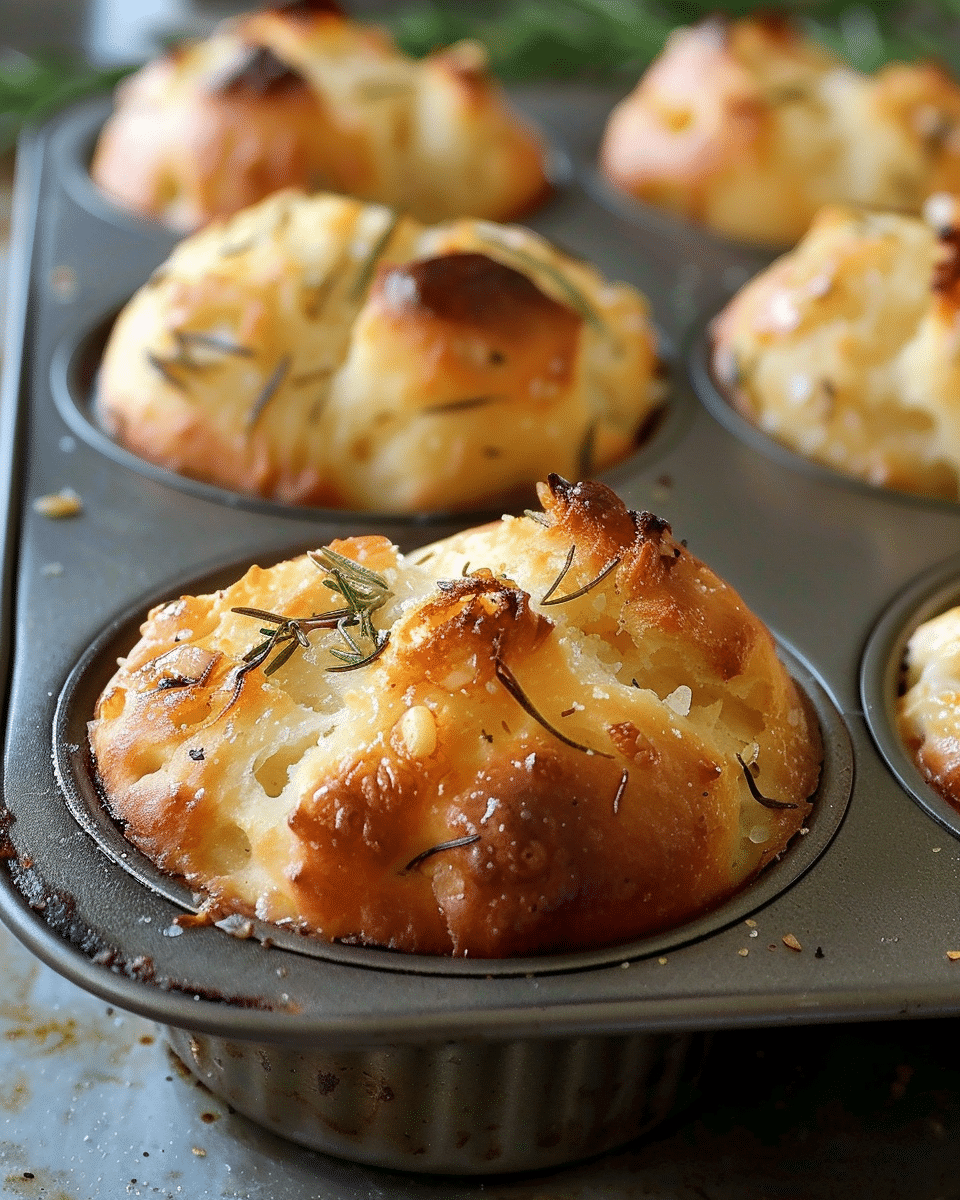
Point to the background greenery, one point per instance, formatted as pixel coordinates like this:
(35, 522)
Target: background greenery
(560, 39)
(617, 38)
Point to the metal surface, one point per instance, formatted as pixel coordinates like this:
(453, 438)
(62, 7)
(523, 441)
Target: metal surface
(820, 560)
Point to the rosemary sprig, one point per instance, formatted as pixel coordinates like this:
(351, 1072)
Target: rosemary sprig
(288, 632)
(545, 598)
(581, 591)
(187, 341)
(615, 39)
(268, 391)
(572, 294)
(512, 685)
(369, 265)
(757, 794)
(33, 87)
(621, 788)
(587, 587)
(186, 338)
(452, 406)
(164, 368)
(364, 591)
(454, 844)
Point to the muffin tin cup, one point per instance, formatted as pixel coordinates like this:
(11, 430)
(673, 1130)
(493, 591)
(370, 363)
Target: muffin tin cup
(716, 399)
(79, 791)
(73, 383)
(854, 922)
(460, 1107)
(880, 680)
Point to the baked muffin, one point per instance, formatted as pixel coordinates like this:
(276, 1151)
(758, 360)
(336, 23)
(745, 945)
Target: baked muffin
(845, 348)
(318, 350)
(554, 732)
(928, 713)
(749, 127)
(300, 96)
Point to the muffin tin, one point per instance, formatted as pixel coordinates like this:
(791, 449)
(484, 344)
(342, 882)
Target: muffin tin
(427, 1064)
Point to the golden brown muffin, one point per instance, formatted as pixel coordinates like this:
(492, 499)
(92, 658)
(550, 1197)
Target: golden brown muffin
(554, 732)
(748, 127)
(300, 96)
(928, 713)
(845, 348)
(318, 350)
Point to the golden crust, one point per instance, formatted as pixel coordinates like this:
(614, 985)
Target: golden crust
(928, 713)
(302, 97)
(318, 350)
(845, 348)
(749, 128)
(535, 760)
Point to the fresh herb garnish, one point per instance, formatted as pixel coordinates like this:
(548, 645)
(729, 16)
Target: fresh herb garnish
(455, 844)
(571, 293)
(621, 788)
(545, 598)
(268, 391)
(582, 591)
(757, 794)
(369, 265)
(364, 592)
(512, 685)
(163, 367)
(458, 405)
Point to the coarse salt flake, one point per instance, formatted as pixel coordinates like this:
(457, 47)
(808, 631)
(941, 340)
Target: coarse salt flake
(679, 700)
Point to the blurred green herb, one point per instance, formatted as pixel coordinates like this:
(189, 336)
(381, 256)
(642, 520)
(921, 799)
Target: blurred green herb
(34, 86)
(611, 40)
(615, 39)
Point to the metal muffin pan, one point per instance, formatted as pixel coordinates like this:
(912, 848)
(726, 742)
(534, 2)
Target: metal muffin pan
(600, 1039)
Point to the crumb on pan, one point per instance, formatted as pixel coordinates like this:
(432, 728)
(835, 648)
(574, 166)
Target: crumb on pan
(57, 505)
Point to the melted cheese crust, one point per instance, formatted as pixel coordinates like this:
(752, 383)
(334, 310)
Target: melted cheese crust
(318, 350)
(202, 132)
(517, 772)
(748, 127)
